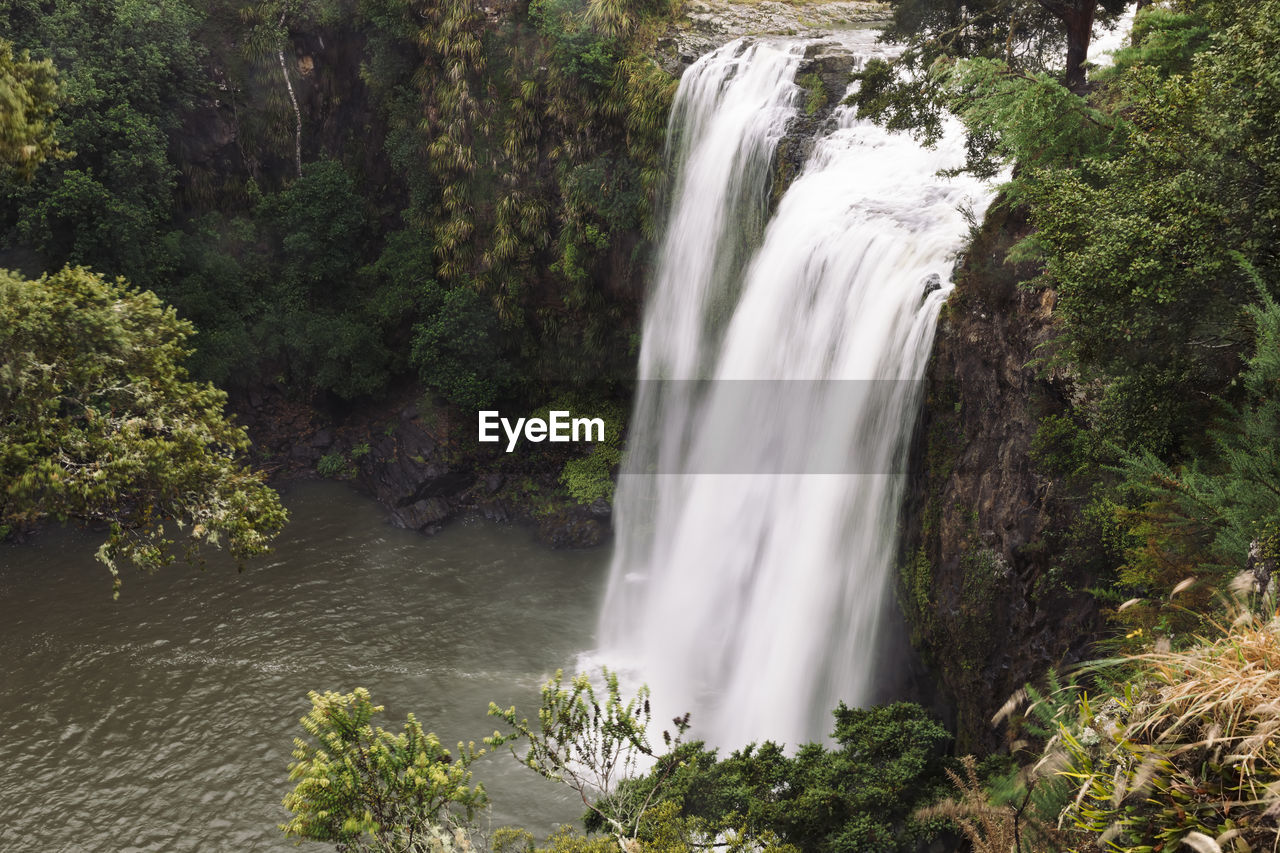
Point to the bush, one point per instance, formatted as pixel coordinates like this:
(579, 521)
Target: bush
(857, 797)
(370, 790)
(459, 351)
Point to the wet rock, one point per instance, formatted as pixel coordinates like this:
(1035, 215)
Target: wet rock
(706, 26)
(985, 520)
(425, 515)
(498, 510)
(833, 64)
(303, 453)
(824, 74)
(404, 472)
(932, 283)
(572, 529)
(421, 481)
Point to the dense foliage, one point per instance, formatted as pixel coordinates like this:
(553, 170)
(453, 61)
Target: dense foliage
(1213, 516)
(1152, 207)
(130, 72)
(859, 795)
(100, 423)
(1030, 37)
(593, 742)
(349, 199)
(360, 788)
(1186, 747)
(484, 236)
(29, 94)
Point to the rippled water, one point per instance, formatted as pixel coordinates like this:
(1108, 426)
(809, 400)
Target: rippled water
(164, 721)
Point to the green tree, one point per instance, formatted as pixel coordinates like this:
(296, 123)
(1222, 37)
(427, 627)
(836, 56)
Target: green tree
(1021, 117)
(29, 94)
(221, 283)
(131, 72)
(371, 791)
(858, 796)
(268, 38)
(1141, 239)
(1229, 500)
(1140, 198)
(458, 349)
(592, 744)
(325, 320)
(99, 423)
(1028, 36)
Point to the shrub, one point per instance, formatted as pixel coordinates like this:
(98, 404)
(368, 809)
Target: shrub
(1188, 745)
(371, 790)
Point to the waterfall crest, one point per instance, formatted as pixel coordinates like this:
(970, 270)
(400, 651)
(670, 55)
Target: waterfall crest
(750, 592)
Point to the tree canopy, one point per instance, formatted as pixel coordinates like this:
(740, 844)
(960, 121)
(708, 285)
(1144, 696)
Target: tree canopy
(369, 790)
(1027, 36)
(1152, 218)
(28, 96)
(99, 423)
(1151, 202)
(859, 795)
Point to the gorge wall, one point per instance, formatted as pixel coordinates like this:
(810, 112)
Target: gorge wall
(990, 599)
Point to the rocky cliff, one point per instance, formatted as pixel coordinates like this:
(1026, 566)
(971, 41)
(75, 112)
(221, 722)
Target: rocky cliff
(990, 601)
(705, 26)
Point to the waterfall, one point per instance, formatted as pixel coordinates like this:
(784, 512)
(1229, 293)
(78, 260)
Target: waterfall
(780, 370)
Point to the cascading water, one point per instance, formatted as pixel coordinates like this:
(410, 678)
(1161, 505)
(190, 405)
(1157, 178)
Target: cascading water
(757, 512)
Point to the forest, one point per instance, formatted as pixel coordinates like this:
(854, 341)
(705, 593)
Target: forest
(344, 205)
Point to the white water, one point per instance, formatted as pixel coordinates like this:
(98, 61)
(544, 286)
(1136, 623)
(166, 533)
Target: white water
(754, 600)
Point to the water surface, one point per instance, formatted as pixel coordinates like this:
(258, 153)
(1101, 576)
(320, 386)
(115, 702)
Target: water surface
(164, 721)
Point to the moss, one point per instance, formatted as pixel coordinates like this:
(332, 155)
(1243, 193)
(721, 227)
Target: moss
(784, 171)
(983, 572)
(920, 583)
(816, 95)
(943, 443)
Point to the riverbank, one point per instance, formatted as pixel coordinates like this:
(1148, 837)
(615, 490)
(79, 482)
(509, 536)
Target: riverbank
(409, 453)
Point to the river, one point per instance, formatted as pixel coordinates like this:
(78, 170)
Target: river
(164, 721)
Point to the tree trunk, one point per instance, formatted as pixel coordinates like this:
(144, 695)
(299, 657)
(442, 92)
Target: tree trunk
(1079, 24)
(1077, 21)
(293, 99)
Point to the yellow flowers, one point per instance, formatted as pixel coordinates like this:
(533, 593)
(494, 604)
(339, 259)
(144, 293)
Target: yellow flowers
(356, 770)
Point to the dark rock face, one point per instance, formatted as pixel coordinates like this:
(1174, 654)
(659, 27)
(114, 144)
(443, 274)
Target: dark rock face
(978, 583)
(572, 528)
(404, 472)
(400, 459)
(823, 75)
